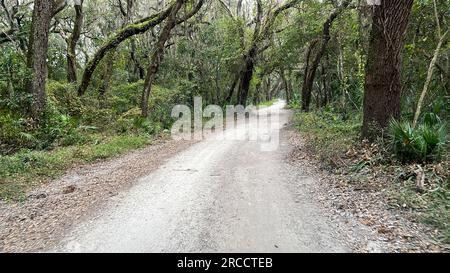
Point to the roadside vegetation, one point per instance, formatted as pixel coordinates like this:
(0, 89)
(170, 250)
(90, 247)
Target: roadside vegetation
(408, 166)
(76, 131)
(267, 103)
(388, 133)
(29, 168)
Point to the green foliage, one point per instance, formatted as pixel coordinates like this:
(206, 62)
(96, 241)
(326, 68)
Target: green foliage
(267, 103)
(420, 46)
(28, 168)
(13, 132)
(329, 134)
(124, 99)
(126, 96)
(206, 65)
(13, 76)
(425, 143)
(65, 97)
(70, 120)
(132, 122)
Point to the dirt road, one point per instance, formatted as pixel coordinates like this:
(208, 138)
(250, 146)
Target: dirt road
(218, 196)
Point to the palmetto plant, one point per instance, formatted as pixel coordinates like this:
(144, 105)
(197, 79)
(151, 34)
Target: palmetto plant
(423, 143)
(434, 138)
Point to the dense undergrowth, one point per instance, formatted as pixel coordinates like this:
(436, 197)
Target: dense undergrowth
(414, 162)
(75, 130)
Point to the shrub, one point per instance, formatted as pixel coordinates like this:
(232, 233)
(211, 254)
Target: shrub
(431, 119)
(126, 96)
(125, 99)
(65, 97)
(14, 133)
(329, 135)
(69, 120)
(131, 121)
(54, 126)
(161, 103)
(424, 143)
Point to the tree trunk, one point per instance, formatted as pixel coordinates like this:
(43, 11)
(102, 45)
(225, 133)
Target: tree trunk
(383, 87)
(306, 91)
(311, 70)
(246, 77)
(158, 55)
(37, 54)
(286, 86)
(138, 71)
(259, 34)
(325, 82)
(232, 87)
(249, 58)
(275, 88)
(72, 43)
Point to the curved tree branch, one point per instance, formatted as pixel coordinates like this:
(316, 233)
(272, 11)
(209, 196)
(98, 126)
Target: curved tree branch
(141, 26)
(128, 31)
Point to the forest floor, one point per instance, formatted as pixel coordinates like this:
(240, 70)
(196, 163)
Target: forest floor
(366, 198)
(208, 196)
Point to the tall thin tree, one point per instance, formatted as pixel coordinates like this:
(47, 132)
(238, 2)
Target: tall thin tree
(311, 67)
(37, 54)
(73, 41)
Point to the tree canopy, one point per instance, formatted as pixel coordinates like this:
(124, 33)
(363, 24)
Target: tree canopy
(348, 55)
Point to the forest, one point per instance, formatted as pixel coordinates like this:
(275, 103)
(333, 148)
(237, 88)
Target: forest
(369, 82)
